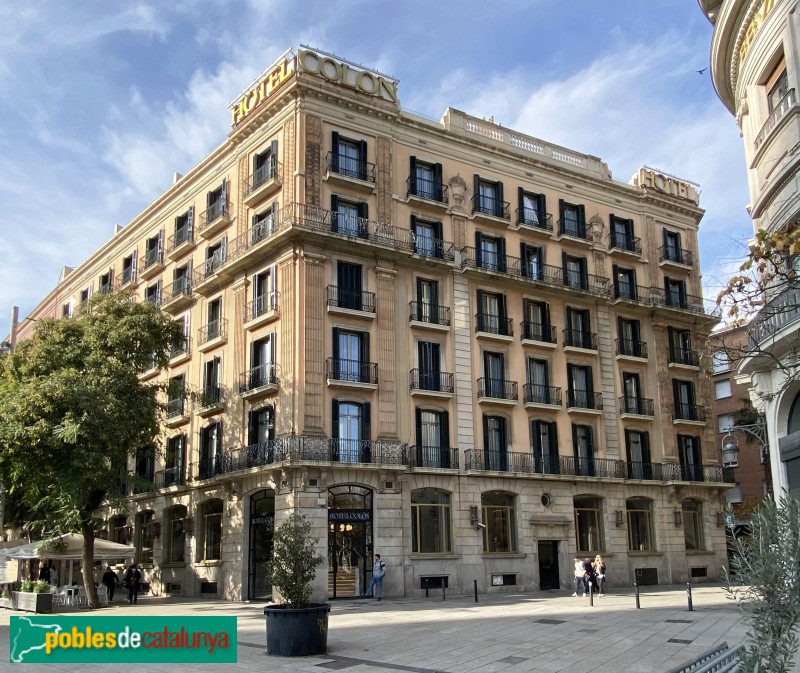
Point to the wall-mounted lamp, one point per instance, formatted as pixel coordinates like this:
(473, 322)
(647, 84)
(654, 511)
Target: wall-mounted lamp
(618, 517)
(678, 516)
(730, 450)
(720, 518)
(473, 514)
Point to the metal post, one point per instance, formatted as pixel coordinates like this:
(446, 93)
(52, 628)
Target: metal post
(689, 595)
(475, 585)
(591, 594)
(442, 590)
(636, 589)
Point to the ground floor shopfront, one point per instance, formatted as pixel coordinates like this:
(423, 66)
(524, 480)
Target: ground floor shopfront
(498, 532)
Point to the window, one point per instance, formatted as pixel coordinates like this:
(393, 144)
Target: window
(532, 209)
(675, 292)
(722, 389)
(265, 165)
(583, 449)
(106, 284)
(430, 366)
(693, 524)
(580, 391)
(153, 250)
(629, 338)
(430, 522)
(86, 295)
(175, 534)
(145, 467)
(262, 362)
(119, 530)
(778, 90)
(427, 306)
(588, 524)
(539, 390)
(622, 234)
(211, 530)
(720, 361)
(265, 296)
(176, 394)
(349, 286)
(499, 517)
(544, 444)
(725, 422)
(145, 536)
(214, 324)
(260, 426)
(690, 457)
(433, 438)
(425, 180)
(672, 251)
(683, 395)
(680, 347)
(632, 401)
(579, 329)
(216, 256)
(263, 224)
(173, 460)
(351, 432)
(427, 238)
(495, 443)
(488, 198)
(640, 524)
(494, 372)
(211, 390)
(210, 450)
(536, 324)
(152, 293)
(576, 273)
(184, 228)
(67, 309)
(349, 157)
(182, 280)
(532, 261)
(128, 269)
(572, 220)
(637, 450)
(490, 253)
(350, 360)
(492, 313)
(625, 284)
(217, 203)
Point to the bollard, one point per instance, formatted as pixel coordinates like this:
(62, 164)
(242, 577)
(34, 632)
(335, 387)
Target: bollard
(636, 589)
(442, 590)
(475, 584)
(689, 595)
(591, 594)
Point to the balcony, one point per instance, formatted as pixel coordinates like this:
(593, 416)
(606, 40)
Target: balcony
(578, 400)
(497, 390)
(126, 278)
(780, 111)
(261, 310)
(652, 471)
(494, 325)
(204, 279)
(176, 413)
(351, 373)
(264, 182)
(425, 314)
(350, 302)
(259, 381)
(180, 242)
(684, 357)
(631, 292)
(151, 265)
(511, 266)
(688, 413)
(105, 288)
(592, 467)
(587, 282)
(670, 255)
(624, 243)
(355, 451)
(575, 338)
(263, 453)
(483, 206)
(210, 466)
(171, 476)
(677, 300)
(636, 406)
(211, 335)
(779, 312)
(498, 461)
(209, 401)
(181, 352)
(706, 473)
(433, 457)
(538, 395)
(571, 229)
(538, 334)
(178, 297)
(351, 170)
(430, 383)
(631, 348)
(527, 217)
(430, 191)
(216, 217)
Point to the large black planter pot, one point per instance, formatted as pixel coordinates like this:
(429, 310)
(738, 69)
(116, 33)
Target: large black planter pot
(297, 632)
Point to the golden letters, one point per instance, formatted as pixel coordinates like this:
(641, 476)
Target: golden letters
(666, 184)
(258, 94)
(752, 29)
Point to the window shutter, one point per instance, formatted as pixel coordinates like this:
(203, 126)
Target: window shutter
(362, 159)
(564, 269)
(252, 430)
(481, 304)
(365, 347)
(437, 178)
(190, 222)
(542, 207)
(628, 445)
(335, 420)
(590, 383)
(412, 175)
(414, 226)
(676, 392)
(256, 157)
(546, 311)
(635, 330)
(570, 379)
(335, 152)
(272, 347)
(552, 435)
(499, 207)
(223, 248)
(590, 442)
(521, 200)
(584, 274)
(523, 249)
(273, 158)
(561, 216)
(501, 254)
(334, 213)
(444, 424)
(615, 274)
(418, 416)
(476, 196)
(478, 256)
(575, 446)
(160, 246)
(363, 226)
(501, 305)
(335, 344)
(486, 435)
(645, 436)
(366, 425)
(620, 333)
(224, 195)
(582, 220)
(134, 262)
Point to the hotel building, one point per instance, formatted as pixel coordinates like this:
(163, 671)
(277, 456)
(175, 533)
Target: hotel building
(462, 347)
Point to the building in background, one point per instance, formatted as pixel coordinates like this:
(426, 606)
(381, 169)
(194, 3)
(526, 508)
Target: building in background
(754, 66)
(458, 345)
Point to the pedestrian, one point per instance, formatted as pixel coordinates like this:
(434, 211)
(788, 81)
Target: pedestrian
(600, 573)
(132, 579)
(378, 573)
(580, 575)
(591, 580)
(53, 575)
(44, 572)
(110, 580)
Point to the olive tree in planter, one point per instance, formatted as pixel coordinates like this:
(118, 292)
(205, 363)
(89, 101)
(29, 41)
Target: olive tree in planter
(295, 627)
(34, 596)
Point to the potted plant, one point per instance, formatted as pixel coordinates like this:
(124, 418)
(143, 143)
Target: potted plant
(296, 627)
(34, 596)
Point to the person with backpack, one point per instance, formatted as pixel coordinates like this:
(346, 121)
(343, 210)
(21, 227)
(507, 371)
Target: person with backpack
(378, 573)
(132, 580)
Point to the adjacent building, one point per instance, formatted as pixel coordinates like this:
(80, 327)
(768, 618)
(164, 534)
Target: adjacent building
(754, 66)
(460, 346)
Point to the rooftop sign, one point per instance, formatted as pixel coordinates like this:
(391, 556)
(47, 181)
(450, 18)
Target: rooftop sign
(263, 87)
(651, 178)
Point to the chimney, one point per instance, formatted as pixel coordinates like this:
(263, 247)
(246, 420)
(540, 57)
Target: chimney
(175, 177)
(12, 339)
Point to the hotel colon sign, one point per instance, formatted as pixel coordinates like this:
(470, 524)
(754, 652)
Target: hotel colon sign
(463, 347)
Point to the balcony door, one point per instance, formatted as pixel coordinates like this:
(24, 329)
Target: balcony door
(633, 394)
(433, 438)
(262, 359)
(351, 432)
(637, 445)
(495, 443)
(429, 365)
(427, 300)
(349, 279)
(494, 373)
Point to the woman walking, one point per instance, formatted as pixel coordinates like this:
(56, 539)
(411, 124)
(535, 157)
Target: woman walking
(600, 573)
(580, 577)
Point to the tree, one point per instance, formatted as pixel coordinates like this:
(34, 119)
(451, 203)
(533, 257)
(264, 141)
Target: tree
(73, 411)
(294, 561)
(765, 582)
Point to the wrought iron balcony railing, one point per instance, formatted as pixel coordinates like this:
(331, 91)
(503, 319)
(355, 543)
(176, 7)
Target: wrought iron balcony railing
(181, 236)
(592, 467)
(152, 257)
(355, 300)
(632, 348)
(586, 282)
(441, 382)
(262, 305)
(676, 299)
(271, 169)
(423, 188)
(499, 461)
(221, 208)
(498, 389)
(183, 348)
(536, 331)
(175, 407)
(577, 338)
(423, 311)
(181, 287)
(258, 377)
(632, 292)
(538, 394)
(214, 329)
(489, 205)
(584, 399)
(531, 217)
(171, 476)
(684, 356)
(623, 242)
(671, 253)
(210, 395)
(352, 167)
(783, 107)
(494, 324)
(689, 412)
(353, 371)
(574, 229)
(641, 406)
(433, 457)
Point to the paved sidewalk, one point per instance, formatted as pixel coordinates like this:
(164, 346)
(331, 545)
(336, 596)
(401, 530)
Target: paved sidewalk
(514, 633)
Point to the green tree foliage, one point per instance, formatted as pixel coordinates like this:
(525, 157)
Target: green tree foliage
(73, 411)
(294, 561)
(765, 582)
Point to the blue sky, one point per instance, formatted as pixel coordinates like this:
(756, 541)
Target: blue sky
(101, 101)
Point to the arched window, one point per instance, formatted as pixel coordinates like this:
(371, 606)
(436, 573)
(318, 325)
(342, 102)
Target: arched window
(175, 534)
(693, 524)
(589, 524)
(210, 545)
(430, 522)
(793, 424)
(499, 517)
(118, 529)
(640, 524)
(145, 535)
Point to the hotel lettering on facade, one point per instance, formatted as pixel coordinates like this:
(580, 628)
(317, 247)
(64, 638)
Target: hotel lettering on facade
(451, 343)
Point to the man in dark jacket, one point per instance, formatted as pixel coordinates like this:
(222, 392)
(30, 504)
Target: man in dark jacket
(132, 580)
(110, 580)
